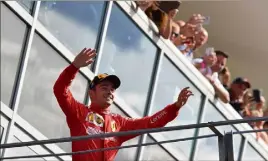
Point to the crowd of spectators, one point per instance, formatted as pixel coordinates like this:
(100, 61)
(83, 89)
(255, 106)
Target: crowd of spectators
(190, 35)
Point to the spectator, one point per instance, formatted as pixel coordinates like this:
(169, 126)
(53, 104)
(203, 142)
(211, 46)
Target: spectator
(239, 98)
(262, 134)
(260, 106)
(220, 91)
(193, 35)
(201, 37)
(162, 15)
(204, 64)
(258, 112)
(225, 77)
(255, 109)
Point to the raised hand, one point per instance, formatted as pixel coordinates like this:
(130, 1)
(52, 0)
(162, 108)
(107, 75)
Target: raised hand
(248, 99)
(188, 30)
(183, 97)
(84, 58)
(196, 19)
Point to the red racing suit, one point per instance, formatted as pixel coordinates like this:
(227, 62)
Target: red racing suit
(83, 120)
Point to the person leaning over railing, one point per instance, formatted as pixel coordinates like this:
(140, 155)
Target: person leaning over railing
(162, 14)
(192, 35)
(204, 63)
(255, 109)
(220, 64)
(240, 98)
(97, 118)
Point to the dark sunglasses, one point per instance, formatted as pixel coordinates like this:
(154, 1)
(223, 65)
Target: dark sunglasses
(175, 34)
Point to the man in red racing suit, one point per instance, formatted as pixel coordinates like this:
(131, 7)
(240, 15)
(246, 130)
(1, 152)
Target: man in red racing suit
(96, 119)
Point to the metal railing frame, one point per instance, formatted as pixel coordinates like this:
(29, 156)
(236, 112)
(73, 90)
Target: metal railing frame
(225, 141)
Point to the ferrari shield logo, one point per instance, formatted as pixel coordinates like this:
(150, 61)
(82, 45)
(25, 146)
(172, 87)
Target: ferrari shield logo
(90, 117)
(113, 126)
(95, 118)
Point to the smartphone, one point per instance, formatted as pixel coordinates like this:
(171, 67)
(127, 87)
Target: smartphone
(209, 50)
(206, 20)
(257, 95)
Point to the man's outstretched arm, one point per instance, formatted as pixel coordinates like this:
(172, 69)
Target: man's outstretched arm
(159, 119)
(220, 91)
(61, 88)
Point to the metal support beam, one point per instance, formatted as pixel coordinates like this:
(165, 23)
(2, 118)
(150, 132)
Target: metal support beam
(228, 144)
(214, 129)
(221, 148)
(241, 149)
(221, 142)
(226, 150)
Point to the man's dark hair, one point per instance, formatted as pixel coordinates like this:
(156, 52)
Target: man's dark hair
(221, 53)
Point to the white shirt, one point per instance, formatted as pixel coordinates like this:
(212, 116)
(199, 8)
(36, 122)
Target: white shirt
(217, 82)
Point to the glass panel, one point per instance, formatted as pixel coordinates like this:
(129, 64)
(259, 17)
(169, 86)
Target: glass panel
(27, 5)
(210, 145)
(4, 121)
(20, 151)
(38, 104)
(129, 54)
(13, 33)
(251, 154)
(155, 152)
(167, 91)
(1, 133)
(212, 114)
(75, 24)
(127, 153)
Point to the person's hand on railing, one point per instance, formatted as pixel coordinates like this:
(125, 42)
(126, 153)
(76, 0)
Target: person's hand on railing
(210, 79)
